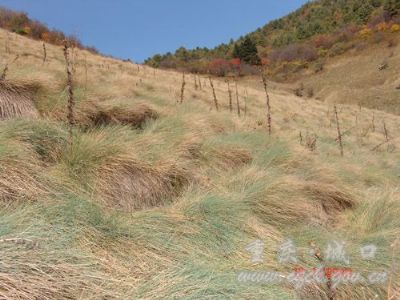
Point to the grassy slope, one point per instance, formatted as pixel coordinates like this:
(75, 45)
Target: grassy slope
(212, 183)
(355, 78)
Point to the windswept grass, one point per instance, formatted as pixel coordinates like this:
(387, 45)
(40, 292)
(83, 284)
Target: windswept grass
(159, 200)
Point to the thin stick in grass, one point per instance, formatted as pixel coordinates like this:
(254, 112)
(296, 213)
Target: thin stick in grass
(214, 94)
(265, 84)
(237, 98)
(70, 91)
(4, 73)
(5, 70)
(373, 122)
(230, 96)
(338, 131)
(201, 88)
(385, 131)
(195, 82)
(7, 43)
(183, 87)
(44, 53)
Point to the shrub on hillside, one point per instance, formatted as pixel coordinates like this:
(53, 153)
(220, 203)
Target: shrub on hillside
(323, 41)
(220, 67)
(337, 49)
(395, 28)
(294, 52)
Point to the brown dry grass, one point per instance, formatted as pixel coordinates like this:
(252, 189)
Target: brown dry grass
(166, 211)
(131, 185)
(106, 114)
(17, 100)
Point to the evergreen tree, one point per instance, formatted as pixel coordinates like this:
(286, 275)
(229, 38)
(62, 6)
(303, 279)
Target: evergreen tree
(236, 51)
(247, 52)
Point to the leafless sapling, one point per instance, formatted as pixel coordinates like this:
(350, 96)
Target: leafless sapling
(269, 121)
(183, 87)
(44, 52)
(214, 94)
(230, 96)
(70, 92)
(237, 98)
(338, 131)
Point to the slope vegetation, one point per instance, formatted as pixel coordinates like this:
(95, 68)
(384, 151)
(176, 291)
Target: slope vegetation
(155, 199)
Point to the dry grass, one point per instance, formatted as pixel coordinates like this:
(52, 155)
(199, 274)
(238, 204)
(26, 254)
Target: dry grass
(16, 100)
(165, 212)
(131, 185)
(102, 115)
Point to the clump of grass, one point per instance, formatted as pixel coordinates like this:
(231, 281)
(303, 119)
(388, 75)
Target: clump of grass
(130, 185)
(109, 114)
(16, 100)
(21, 175)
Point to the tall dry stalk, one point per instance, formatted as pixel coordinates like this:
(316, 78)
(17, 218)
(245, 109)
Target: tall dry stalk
(72, 57)
(319, 256)
(70, 91)
(5, 70)
(237, 98)
(373, 122)
(214, 94)
(44, 53)
(265, 84)
(195, 82)
(7, 44)
(385, 131)
(183, 87)
(230, 96)
(201, 88)
(338, 131)
(4, 73)
(387, 138)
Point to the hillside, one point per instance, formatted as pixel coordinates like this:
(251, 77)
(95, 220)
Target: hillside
(367, 77)
(303, 39)
(157, 199)
(20, 23)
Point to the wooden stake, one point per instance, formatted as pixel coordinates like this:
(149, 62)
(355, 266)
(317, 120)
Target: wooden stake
(385, 131)
(195, 83)
(338, 131)
(44, 53)
(5, 70)
(70, 90)
(183, 87)
(237, 98)
(214, 95)
(269, 121)
(373, 122)
(230, 96)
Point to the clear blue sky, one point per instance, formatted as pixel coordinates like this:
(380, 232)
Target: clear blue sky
(138, 29)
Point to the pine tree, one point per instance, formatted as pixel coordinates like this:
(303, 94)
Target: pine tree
(236, 52)
(247, 52)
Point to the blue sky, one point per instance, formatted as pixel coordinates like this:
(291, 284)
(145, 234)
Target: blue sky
(138, 29)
